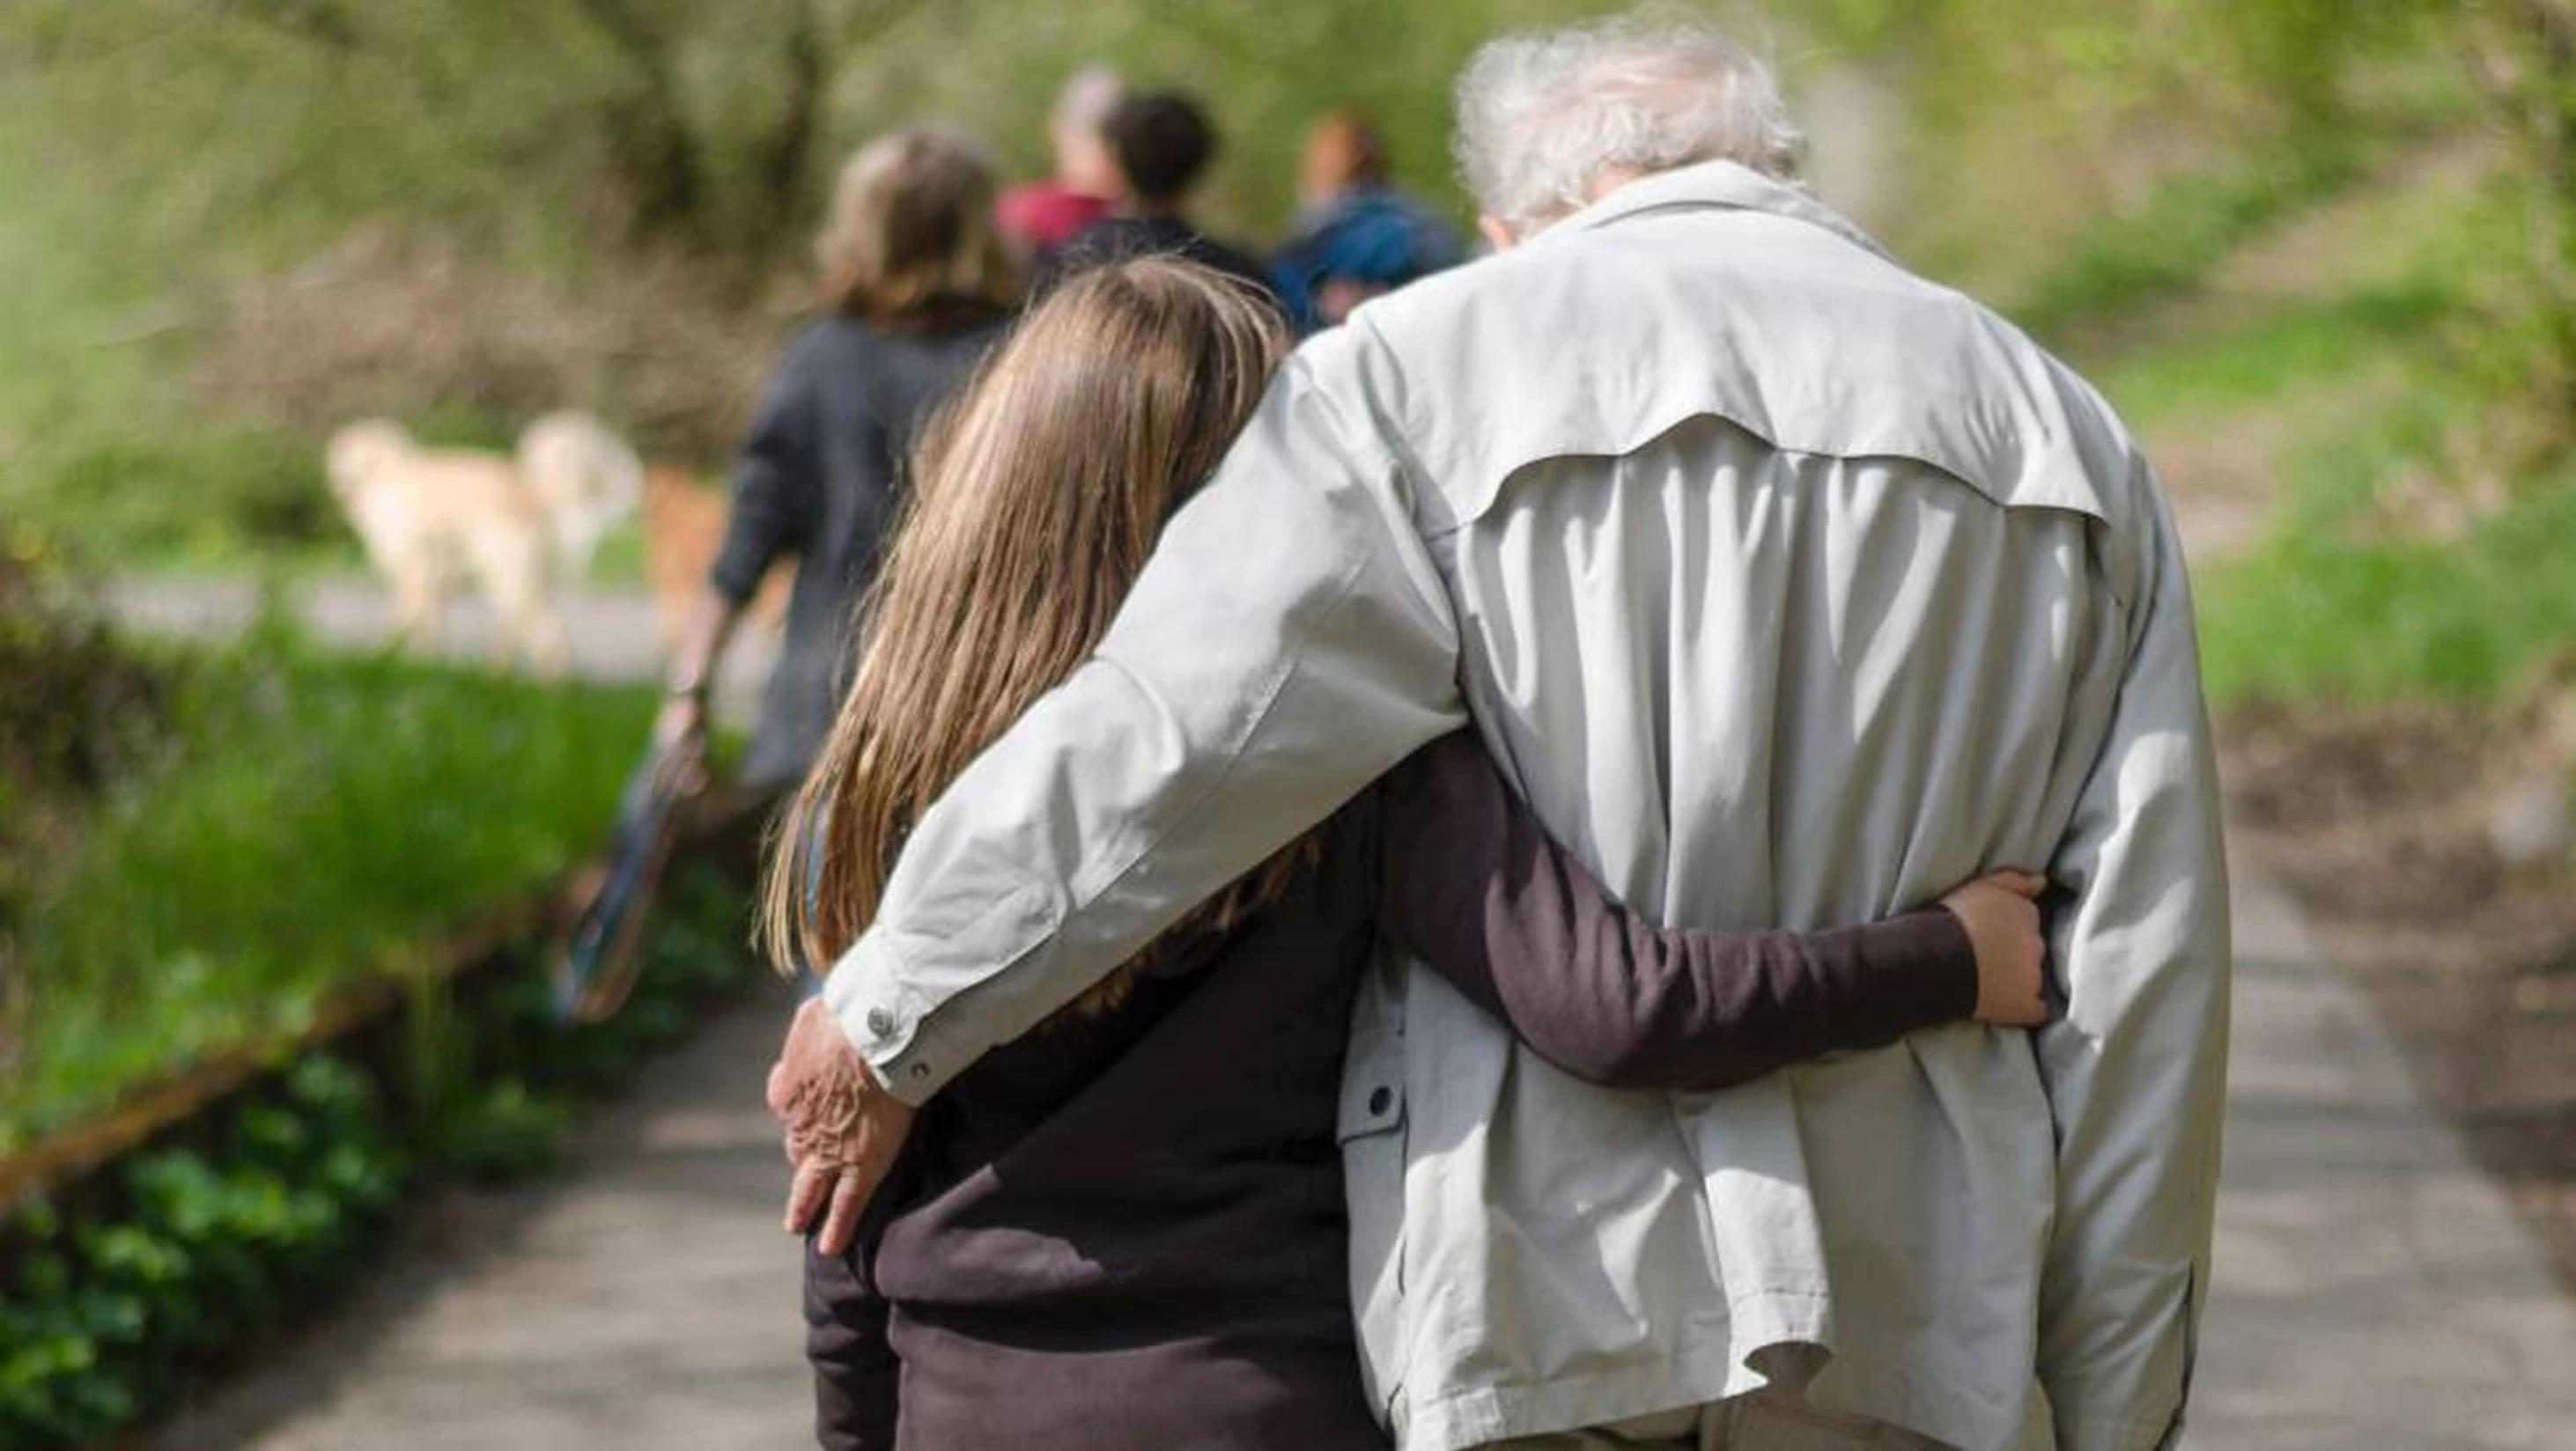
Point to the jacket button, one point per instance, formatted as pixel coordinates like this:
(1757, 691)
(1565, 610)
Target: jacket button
(1380, 1100)
(880, 1022)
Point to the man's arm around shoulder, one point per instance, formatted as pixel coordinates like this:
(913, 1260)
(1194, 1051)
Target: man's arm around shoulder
(1289, 641)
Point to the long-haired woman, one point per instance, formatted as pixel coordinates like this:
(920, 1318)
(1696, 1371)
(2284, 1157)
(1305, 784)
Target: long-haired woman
(916, 283)
(1126, 1229)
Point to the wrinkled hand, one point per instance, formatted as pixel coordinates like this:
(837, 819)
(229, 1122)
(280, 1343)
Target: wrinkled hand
(2001, 912)
(843, 1130)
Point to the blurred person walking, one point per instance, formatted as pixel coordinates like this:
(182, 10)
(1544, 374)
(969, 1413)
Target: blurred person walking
(917, 282)
(1040, 217)
(1162, 143)
(1356, 237)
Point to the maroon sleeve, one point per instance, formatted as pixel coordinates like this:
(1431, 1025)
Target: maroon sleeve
(1475, 886)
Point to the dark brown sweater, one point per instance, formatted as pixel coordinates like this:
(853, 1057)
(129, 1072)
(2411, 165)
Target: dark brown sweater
(1126, 1229)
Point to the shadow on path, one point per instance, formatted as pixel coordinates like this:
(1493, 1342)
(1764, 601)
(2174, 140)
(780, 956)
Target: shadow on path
(2373, 1288)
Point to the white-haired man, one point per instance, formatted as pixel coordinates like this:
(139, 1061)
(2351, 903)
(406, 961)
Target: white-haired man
(1791, 588)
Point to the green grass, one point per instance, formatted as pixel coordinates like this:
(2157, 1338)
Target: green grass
(2314, 616)
(2180, 233)
(312, 815)
(2333, 343)
(2397, 378)
(117, 1292)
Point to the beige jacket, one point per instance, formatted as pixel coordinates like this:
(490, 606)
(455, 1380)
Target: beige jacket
(1793, 590)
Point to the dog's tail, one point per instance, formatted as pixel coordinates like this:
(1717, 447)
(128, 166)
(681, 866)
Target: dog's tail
(584, 477)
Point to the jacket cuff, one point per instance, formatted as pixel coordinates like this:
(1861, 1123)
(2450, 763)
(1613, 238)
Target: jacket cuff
(889, 1024)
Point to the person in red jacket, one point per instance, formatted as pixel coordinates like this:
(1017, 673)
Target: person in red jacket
(1041, 216)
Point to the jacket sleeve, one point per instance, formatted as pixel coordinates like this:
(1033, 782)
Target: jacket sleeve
(773, 482)
(1478, 890)
(2135, 1068)
(1289, 640)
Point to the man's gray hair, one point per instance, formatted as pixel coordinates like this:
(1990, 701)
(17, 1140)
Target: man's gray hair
(1542, 117)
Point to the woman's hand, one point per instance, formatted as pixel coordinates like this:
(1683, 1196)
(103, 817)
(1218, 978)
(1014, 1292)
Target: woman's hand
(680, 739)
(2001, 912)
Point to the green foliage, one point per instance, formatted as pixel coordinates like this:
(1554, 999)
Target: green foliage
(99, 1316)
(2322, 615)
(2364, 591)
(313, 814)
(76, 708)
(198, 1247)
(2335, 343)
(2179, 233)
(212, 496)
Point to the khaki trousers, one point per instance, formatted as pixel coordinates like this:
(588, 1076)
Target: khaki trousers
(1774, 1418)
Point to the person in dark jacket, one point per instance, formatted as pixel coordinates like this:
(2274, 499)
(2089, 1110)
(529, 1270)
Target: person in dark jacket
(1126, 1228)
(1162, 143)
(1356, 235)
(917, 284)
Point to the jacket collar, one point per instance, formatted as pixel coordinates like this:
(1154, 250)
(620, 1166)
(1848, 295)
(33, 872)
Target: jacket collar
(1715, 184)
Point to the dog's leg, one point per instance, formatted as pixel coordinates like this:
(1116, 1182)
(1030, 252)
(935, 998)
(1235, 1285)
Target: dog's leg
(549, 652)
(514, 571)
(416, 592)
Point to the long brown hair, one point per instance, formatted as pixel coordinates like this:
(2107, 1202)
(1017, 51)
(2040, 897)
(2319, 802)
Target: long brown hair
(911, 234)
(1036, 497)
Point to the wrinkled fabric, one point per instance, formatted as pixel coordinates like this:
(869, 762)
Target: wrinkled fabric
(1792, 590)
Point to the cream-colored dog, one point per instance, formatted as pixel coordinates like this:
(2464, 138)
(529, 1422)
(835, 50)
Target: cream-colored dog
(427, 515)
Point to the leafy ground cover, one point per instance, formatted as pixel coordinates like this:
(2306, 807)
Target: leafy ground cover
(115, 1292)
(308, 816)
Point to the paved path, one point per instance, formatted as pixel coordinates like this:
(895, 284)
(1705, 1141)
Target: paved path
(614, 633)
(644, 1301)
(2373, 1288)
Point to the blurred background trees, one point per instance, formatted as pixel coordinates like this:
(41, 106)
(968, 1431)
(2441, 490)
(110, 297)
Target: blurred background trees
(558, 162)
(2319, 249)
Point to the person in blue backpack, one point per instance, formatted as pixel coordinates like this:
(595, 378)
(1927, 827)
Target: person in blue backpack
(1357, 236)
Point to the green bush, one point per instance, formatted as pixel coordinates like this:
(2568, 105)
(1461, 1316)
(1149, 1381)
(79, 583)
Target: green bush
(192, 1249)
(99, 1315)
(311, 815)
(2323, 614)
(2180, 233)
(207, 496)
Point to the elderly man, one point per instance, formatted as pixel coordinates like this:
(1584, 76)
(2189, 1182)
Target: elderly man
(1791, 588)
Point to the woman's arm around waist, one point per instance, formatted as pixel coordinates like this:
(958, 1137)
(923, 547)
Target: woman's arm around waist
(1476, 887)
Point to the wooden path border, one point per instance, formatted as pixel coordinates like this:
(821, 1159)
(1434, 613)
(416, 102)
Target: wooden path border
(72, 1152)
